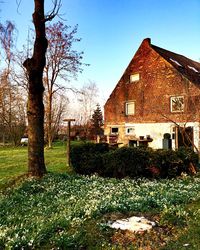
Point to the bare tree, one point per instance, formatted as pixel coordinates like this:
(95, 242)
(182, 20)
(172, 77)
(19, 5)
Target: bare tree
(62, 63)
(187, 113)
(12, 112)
(87, 101)
(58, 113)
(20, 75)
(7, 44)
(35, 67)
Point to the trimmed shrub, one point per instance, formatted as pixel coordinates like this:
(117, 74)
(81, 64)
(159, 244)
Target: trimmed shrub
(90, 158)
(170, 163)
(122, 162)
(86, 158)
(188, 156)
(167, 162)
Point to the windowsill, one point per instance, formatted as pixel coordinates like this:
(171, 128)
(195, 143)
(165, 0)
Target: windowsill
(174, 112)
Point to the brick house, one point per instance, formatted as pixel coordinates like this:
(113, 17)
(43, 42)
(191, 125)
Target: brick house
(157, 97)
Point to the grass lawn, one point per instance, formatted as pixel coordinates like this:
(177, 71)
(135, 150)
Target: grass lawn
(13, 161)
(66, 211)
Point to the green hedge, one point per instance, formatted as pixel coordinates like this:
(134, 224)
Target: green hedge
(90, 158)
(169, 163)
(86, 158)
(122, 162)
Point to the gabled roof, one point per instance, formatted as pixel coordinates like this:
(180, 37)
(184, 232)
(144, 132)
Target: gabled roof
(187, 67)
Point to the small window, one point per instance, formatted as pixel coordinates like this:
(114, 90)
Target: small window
(130, 108)
(114, 130)
(177, 103)
(134, 78)
(130, 131)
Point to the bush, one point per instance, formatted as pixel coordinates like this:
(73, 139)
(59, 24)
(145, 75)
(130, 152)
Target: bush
(170, 163)
(86, 158)
(90, 158)
(122, 162)
(187, 155)
(167, 162)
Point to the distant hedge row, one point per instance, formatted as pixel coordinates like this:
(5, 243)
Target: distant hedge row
(90, 158)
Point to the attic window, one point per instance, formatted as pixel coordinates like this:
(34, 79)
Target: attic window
(177, 63)
(195, 70)
(134, 77)
(177, 103)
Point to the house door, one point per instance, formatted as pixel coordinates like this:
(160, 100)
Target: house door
(184, 137)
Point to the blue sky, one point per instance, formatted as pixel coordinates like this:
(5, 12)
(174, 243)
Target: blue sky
(112, 30)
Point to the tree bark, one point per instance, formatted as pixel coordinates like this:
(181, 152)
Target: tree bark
(35, 67)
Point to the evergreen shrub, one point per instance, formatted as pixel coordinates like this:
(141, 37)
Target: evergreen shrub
(90, 158)
(167, 162)
(126, 161)
(170, 163)
(187, 155)
(86, 158)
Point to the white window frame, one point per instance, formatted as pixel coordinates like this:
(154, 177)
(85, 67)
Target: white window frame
(130, 133)
(126, 108)
(172, 99)
(134, 77)
(114, 133)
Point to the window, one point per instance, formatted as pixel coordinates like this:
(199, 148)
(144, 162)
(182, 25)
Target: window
(177, 63)
(114, 130)
(130, 108)
(130, 131)
(134, 78)
(177, 103)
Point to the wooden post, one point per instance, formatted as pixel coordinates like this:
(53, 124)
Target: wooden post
(68, 139)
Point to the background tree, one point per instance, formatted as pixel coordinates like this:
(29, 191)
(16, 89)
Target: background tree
(7, 37)
(35, 67)
(87, 100)
(97, 121)
(12, 112)
(63, 62)
(59, 108)
(8, 110)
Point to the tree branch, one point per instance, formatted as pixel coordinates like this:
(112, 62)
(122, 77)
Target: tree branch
(54, 12)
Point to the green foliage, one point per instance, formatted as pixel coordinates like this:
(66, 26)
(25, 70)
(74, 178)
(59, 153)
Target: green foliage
(171, 164)
(187, 155)
(86, 158)
(131, 162)
(61, 211)
(168, 163)
(89, 158)
(97, 121)
(175, 215)
(67, 212)
(13, 161)
(187, 237)
(122, 162)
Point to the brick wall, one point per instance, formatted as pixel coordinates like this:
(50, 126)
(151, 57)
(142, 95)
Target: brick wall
(158, 81)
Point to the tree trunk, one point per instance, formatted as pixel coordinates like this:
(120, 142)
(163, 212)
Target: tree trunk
(35, 67)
